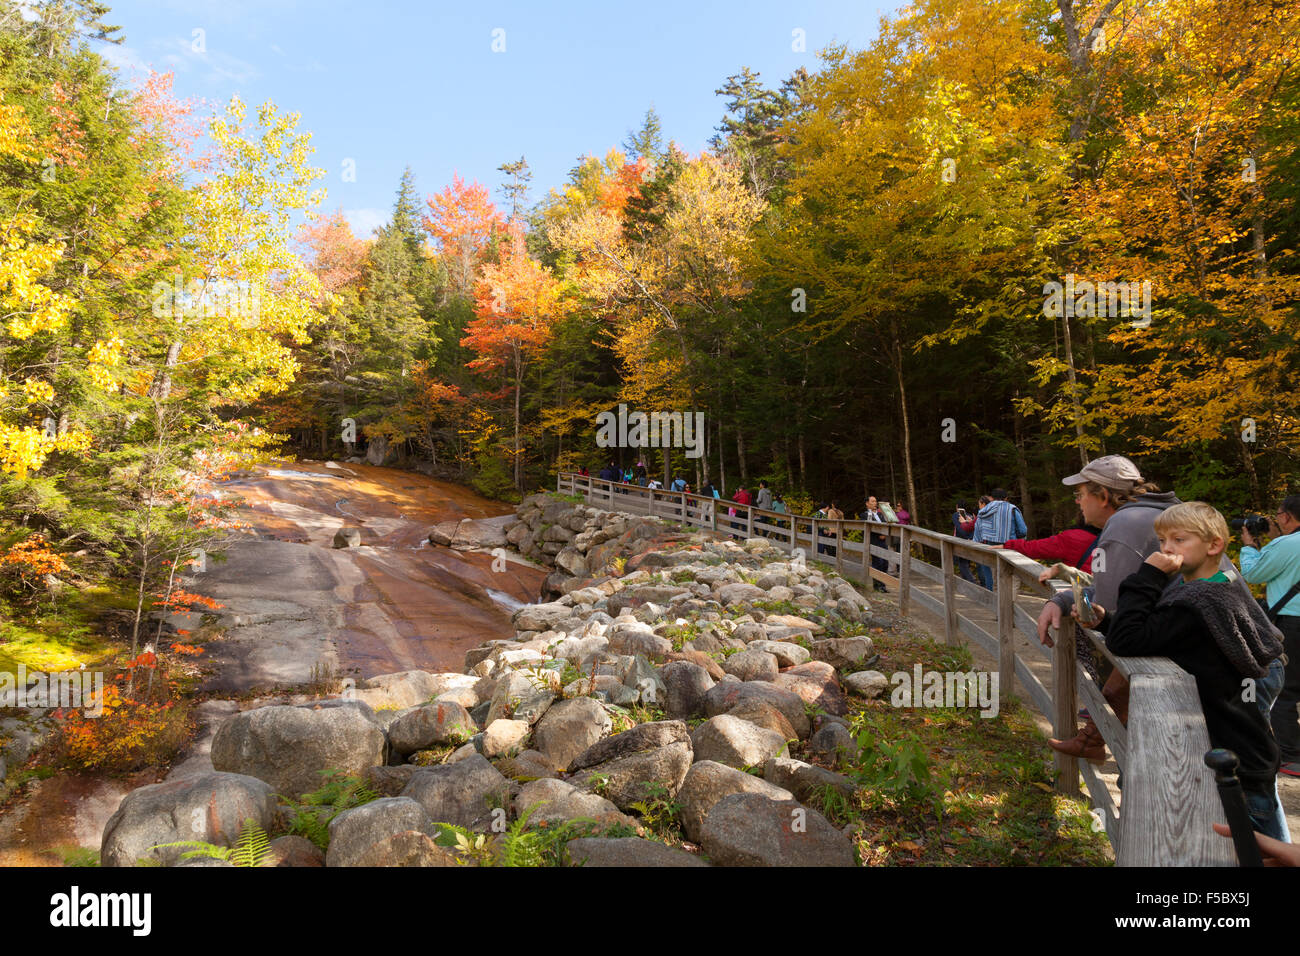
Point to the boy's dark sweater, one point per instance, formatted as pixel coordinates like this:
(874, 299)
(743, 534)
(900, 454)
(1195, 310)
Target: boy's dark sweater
(1176, 631)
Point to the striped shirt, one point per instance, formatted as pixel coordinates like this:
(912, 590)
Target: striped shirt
(999, 522)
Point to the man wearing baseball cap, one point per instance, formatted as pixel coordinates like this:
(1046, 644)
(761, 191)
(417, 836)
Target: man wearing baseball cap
(1112, 495)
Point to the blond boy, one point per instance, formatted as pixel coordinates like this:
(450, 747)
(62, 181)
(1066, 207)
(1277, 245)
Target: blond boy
(1214, 631)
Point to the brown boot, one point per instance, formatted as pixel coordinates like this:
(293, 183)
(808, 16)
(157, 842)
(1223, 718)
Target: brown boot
(1116, 693)
(1088, 744)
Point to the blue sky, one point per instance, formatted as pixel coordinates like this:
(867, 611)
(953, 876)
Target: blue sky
(386, 83)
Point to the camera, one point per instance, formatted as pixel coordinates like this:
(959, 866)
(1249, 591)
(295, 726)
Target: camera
(1257, 525)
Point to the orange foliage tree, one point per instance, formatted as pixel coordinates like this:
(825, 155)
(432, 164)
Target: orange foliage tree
(516, 303)
(462, 221)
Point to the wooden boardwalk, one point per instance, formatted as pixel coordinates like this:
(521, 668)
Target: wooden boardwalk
(1169, 799)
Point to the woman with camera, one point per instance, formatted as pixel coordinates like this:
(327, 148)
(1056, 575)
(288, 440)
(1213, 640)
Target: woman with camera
(1277, 566)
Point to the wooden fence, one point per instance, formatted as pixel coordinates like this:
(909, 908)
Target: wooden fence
(1169, 796)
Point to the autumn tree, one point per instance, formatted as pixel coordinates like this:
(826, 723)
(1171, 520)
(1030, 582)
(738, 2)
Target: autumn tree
(517, 303)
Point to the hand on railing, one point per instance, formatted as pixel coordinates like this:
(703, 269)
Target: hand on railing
(1048, 617)
(1274, 852)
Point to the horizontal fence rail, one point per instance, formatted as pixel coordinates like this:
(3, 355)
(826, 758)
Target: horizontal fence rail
(1170, 798)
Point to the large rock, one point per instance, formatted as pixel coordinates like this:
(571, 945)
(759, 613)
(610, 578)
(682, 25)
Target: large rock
(636, 777)
(805, 780)
(505, 738)
(464, 793)
(541, 617)
(209, 807)
(816, 684)
(581, 651)
(607, 684)
(290, 747)
(642, 737)
(707, 782)
(842, 652)
(736, 593)
(294, 851)
(442, 533)
(833, 740)
(749, 829)
(380, 452)
(794, 622)
(347, 538)
(627, 851)
(752, 665)
(728, 694)
(685, 685)
(438, 724)
(786, 654)
(572, 560)
(527, 766)
(473, 533)
(511, 690)
(632, 642)
(700, 659)
(763, 714)
(556, 801)
(390, 781)
(390, 831)
(408, 688)
(569, 727)
(735, 742)
(868, 684)
(531, 708)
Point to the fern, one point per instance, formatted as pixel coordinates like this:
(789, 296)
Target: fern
(252, 847)
(311, 815)
(520, 848)
(518, 845)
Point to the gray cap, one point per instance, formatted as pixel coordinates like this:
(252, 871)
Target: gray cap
(1112, 471)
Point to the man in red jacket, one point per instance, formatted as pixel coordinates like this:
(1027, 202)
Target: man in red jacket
(1073, 546)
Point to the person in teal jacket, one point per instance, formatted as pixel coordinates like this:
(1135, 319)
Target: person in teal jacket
(1277, 566)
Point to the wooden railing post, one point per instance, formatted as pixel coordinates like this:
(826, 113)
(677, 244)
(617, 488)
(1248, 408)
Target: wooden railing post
(1065, 722)
(749, 521)
(1007, 586)
(950, 629)
(839, 545)
(1170, 798)
(904, 568)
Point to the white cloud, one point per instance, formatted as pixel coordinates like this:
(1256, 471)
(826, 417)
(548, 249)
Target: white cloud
(123, 58)
(177, 53)
(365, 221)
(220, 66)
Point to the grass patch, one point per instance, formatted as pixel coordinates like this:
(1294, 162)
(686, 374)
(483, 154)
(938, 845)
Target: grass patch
(61, 637)
(77, 855)
(946, 787)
